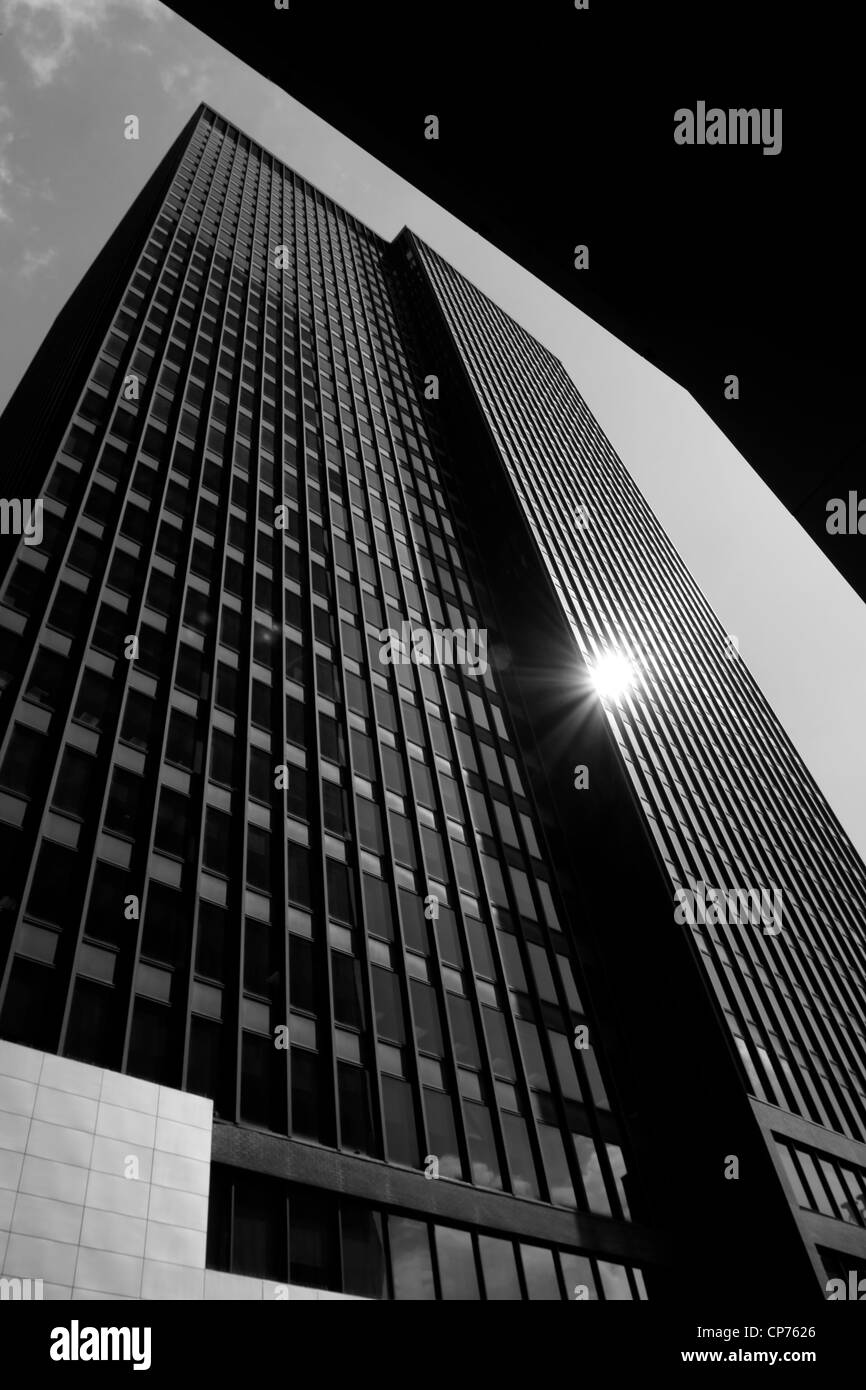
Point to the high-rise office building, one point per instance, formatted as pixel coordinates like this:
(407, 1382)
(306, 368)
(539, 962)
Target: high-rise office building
(353, 937)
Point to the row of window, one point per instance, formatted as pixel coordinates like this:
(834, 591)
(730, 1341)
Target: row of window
(292, 1234)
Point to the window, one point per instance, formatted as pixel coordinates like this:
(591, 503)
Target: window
(75, 782)
(138, 720)
(363, 1248)
(411, 1261)
(180, 745)
(499, 1265)
(124, 800)
(388, 1004)
(356, 1122)
(258, 858)
(48, 678)
(21, 763)
(457, 1276)
(370, 826)
(539, 1270)
(400, 1132)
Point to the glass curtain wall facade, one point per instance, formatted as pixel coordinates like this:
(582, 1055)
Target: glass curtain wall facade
(248, 854)
(726, 798)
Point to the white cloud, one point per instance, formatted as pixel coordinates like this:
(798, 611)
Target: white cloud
(34, 261)
(188, 80)
(47, 31)
(6, 175)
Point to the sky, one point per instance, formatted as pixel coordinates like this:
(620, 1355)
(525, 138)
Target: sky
(72, 70)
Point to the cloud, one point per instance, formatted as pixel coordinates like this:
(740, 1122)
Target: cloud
(10, 177)
(189, 80)
(6, 175)
(32, 262)
(47, 31)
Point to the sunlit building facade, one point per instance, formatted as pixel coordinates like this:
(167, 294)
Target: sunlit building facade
(762, 880)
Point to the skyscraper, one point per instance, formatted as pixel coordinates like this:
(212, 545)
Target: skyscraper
(379, 795)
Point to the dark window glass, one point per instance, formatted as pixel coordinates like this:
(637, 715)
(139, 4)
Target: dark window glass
(48, 678)
(160, 592)
(369, 825)
(259, 1230)
(189, 670)
(349, 1006)
(404, 844)
(395, 775)
(482, 1148)
(124, 801)
(341, 892)
(230, 629)
(205, 1074)
(388, 1004)
(261, 775)
(533, 1060)
(165, 925)
(577, 1270)
(356, 1121)
(411, 1262)
(216, 840)
(90, 1037)
(180, 745)
(211, 942)
(501, 1057)
(55, 896)
(499, 1263)
(223, 759)
(457, 1274)
(306, 1118)
(259, 858)
(150, 1044)
(364, 1272)
(335, 809)
(75, 782)
(258, 1094)
(226, 688)
(442, 1133)
(313, 1240)
(377, 908)
(428, 1032)
(539, 1271)
(524, 1181)
(556, 1167)
(172, 822)
(110, 630)
(362, 754)
(295, 722)
(260, 705)
(138, 719)
(302, 991)
(151, 647)
(400, 1130)
(105, 919)
(299, 875)
(66, 614)
(463, 1031)
(21, 764)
